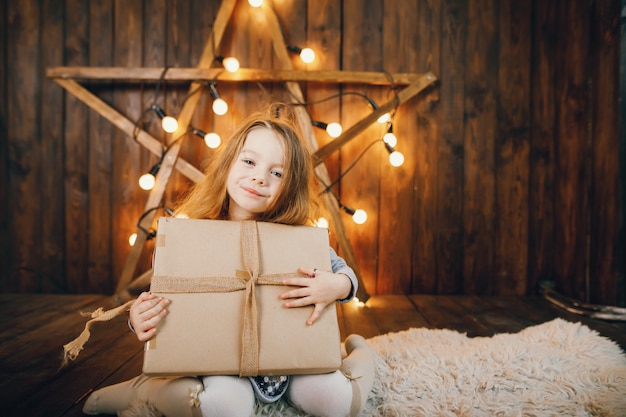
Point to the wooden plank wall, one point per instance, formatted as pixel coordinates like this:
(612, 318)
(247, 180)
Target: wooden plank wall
(511, 173)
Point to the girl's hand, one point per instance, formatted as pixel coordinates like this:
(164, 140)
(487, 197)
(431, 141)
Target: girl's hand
(145, 313)
(319, 288)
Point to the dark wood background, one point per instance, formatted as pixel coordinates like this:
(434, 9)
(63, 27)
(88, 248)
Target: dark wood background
(513, 160)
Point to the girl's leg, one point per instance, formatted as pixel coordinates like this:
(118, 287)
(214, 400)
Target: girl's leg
(226, 396)
(172, 397)
(323, 395)
(341, 393)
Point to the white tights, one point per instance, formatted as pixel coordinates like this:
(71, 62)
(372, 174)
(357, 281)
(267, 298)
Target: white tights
(325, 395)
(231, 396)
(226, 396)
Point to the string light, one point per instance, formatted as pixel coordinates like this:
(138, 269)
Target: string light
(321, 222)
(395, 158)
(231, 64)
(359, 216)
(220, 107)
(358, 302)
(333, 129)
(148, 180)
(384, 118)
(150, 234)
(389, 138)
(211, 139)
(307, 55)
(255, 3)
(168, 123)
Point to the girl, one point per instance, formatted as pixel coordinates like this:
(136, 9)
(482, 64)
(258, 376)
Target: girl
(264, 172)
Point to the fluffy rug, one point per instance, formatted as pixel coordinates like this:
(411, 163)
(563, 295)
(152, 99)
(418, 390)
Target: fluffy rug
(556, 368)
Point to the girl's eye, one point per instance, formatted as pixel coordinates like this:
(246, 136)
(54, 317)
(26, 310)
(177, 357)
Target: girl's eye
(277, 174)
(248, 161)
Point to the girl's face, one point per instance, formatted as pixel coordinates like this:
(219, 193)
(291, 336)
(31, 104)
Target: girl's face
(255, 177)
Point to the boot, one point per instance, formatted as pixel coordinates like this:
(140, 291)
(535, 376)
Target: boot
(172, 397)
(360, 368)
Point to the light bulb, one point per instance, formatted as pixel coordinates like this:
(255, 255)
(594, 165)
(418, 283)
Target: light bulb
(255, 3)
(396, 158)
(231, 64)
(321, 222)
(307, 55)
(212, 140)
(359, 216)
(132, 239)
(358, 302)
(147, 181)
(391, 139)
(220, 107)
(334, 129)
(169, 124)
(384, 118)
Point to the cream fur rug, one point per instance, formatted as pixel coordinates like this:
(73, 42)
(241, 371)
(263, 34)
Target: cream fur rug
(556, 368)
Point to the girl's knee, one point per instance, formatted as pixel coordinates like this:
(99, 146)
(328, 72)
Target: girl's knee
(326, 395)
(226, 396)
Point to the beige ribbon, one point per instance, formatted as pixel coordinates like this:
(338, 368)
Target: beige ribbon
(242, 280)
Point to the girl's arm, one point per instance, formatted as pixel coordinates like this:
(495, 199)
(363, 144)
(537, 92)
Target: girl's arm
(339, 266)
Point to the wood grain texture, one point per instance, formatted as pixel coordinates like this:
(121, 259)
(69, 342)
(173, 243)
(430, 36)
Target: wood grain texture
(605, 135)
(25, 206)
(512, 174)
(512, 149)
(451, 155)
(479, 143)
(128, 199)
(52, 145)
(359, 188)
(571, 225)
(100, 221)
(5, 236)
(542, 146)
(401, 48)
(425, 128)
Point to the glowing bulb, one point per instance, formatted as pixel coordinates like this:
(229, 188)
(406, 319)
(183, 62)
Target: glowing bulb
(147, 181)
(359, 216)
(169, 124)
(132, 239)
(391, 139)
(231, 64)
(334, 129)
(384, 118)
(181, 216)
(212, 140)
(321, 222)
(220, 107)
(358, 302)
(307, 55)
(255, 3)
(396, 158)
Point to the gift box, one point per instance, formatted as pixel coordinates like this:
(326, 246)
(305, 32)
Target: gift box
(224, 279)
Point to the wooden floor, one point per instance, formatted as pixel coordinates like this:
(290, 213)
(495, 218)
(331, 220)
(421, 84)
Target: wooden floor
(34, 328)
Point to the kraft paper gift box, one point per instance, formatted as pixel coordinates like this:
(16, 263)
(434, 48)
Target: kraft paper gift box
(225, 317)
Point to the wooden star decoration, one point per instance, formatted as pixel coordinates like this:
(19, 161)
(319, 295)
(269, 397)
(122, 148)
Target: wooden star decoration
(66, 77)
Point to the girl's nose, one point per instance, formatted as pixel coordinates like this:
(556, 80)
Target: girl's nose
(258, 178)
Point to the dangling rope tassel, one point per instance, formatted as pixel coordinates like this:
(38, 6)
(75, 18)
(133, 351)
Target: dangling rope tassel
(73, 348)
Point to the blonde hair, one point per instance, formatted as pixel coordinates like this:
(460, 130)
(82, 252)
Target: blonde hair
(297, 202)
